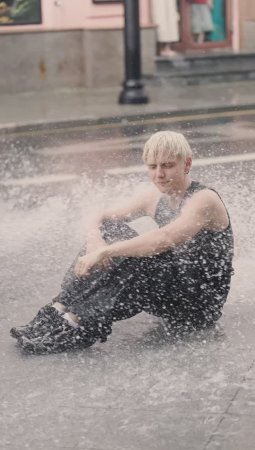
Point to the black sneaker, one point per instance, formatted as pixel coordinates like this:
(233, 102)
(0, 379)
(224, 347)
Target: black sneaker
(46, 319)
(59, 339)
(17, 332)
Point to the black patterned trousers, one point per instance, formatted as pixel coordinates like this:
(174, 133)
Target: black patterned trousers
(127, 287)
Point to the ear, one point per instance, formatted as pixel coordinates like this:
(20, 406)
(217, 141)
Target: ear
(188, 164)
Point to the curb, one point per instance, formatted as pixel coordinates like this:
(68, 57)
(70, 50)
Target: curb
(126, 120)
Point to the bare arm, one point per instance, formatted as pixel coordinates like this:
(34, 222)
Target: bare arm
(204, 211)
(194, 217)
(136, 207)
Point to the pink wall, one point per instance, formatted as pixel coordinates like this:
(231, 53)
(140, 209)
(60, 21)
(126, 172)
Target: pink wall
(80, 14)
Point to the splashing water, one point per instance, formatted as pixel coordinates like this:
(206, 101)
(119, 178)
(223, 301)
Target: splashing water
(60, 219)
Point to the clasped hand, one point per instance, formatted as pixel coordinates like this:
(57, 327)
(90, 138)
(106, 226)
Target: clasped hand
(91, 260)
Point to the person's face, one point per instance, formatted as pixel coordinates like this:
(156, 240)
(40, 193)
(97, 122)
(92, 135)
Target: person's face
(170, 175)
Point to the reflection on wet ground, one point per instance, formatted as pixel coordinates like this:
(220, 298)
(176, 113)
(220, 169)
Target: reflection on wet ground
(78, 150)
(139, 390)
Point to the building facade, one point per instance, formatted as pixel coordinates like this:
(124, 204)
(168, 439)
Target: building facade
(49, 44)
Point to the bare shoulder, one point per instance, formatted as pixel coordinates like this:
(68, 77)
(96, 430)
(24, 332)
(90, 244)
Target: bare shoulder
(206, 198)
(208, 203)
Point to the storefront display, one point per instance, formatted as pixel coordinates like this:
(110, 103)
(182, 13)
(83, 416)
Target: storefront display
(20, 12)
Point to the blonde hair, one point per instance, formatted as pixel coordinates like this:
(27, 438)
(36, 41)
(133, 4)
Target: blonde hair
(165, 145)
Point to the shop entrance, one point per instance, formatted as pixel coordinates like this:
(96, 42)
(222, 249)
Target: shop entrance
(217, 21)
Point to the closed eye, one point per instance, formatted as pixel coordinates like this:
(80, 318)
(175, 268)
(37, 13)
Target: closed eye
(152, 166)
(168, 165)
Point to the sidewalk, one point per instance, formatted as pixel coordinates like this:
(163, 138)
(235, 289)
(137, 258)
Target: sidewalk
(91, 106)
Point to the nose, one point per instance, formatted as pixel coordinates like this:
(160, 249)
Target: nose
(159, 171)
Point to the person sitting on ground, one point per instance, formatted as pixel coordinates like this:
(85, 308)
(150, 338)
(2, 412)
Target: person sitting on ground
(179, 272)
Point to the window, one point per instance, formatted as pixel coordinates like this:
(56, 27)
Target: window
(20, 12)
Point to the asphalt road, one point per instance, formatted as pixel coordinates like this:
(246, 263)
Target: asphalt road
(139, 390)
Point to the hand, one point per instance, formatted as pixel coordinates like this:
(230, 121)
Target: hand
(93, 245)
(86, 263)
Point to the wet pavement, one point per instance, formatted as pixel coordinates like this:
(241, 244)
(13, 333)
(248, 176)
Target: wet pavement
(95, 105)
(139, 390)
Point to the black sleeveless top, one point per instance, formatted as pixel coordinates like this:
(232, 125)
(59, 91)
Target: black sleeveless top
(202, 266)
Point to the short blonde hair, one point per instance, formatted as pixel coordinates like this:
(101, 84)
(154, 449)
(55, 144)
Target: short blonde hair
(165, 145)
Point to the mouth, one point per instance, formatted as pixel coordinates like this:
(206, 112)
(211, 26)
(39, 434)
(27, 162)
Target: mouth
(162, 183)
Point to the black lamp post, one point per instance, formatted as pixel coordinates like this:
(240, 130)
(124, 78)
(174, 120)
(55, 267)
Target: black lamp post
(133, 90)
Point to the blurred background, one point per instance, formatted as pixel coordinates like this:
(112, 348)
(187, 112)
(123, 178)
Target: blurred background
(48, 44)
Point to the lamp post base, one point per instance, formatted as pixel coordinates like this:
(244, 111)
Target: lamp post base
(133, 93)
